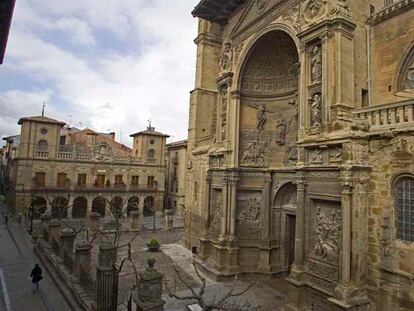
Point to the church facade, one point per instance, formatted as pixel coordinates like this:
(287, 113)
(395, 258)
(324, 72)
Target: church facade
(300, 148)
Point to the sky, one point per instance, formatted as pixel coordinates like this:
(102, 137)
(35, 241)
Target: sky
(109, 65)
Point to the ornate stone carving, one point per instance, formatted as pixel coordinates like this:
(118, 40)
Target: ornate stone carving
(314, 10)
(256, 154)
(237, 52)
(316, 114)
(409, 80)
(324, 270)
(335, 154)
(261, 5)
(316, 64)
(216, 211)
(315, 156)
(248, 214)
(223, 112)
(341, 8)
(251, 214)
(291, 155)
(292, 16)
(327, 234)
(261, 117)
(226, 59)
(281, 132)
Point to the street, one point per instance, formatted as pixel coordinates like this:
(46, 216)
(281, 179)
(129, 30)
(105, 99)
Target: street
(16, 261)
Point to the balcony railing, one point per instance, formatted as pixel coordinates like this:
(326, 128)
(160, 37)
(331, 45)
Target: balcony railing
(392, 115)
(91, 187)
(64, 155)
(42, 154)
(152, 161)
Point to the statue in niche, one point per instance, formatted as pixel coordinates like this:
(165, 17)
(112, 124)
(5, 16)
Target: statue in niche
(316, 116)
(327, 235)
(281, 132)
(226, 58)
(316, 64)
(409, 83)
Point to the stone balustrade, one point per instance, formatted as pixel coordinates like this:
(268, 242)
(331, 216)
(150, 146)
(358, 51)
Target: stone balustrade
(42, 154)
(393, 115)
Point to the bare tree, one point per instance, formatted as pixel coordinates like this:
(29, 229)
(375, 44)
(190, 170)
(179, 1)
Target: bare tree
(199, 295)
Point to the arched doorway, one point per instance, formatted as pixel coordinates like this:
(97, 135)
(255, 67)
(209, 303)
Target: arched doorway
(285, 205)
(39, 206)
(60, 207)
(133, 205)
(268, 83)
(80, 206)
(149, 206)
(117, 205)
(99, 206)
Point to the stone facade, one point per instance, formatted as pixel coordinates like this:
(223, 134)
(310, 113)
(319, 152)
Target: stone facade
(300, 154)
(176, 176)
(80, 170)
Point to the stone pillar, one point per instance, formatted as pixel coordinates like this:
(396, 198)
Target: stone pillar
(54, 229)
(45, 220)
(148, 296)
(207, 205)
(106, 278)
(94, 222)
(67, 238)
(168, 219)
(233, 206)
(223, 233)
(82, 261)
(265, 246)
(89, 206)
(135, 221)
(346, 232)
(300, 229)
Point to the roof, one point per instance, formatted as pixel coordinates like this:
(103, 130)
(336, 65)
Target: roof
(151, 132)
(217, 11)
(180, 143)
(14, 137)
(6, 13)
(40, 119)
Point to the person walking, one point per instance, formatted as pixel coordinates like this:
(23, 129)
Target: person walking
(36, 276)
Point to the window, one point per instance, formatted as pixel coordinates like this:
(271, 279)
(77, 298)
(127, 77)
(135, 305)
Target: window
(135, 180)
(82, 180)
(42, 145)
(151, 141)
(404, 196)
(151, 154)
(40, 179)
(119, 180)
(43, 131)
(61, 180)
(100, 180)
(150, 181)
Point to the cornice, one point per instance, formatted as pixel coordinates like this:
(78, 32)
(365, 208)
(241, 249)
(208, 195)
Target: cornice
(390, 11)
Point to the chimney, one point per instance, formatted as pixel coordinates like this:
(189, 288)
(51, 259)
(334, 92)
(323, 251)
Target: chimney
(112, 134)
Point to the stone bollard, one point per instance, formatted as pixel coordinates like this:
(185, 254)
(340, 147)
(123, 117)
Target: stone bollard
(54, 237)
(45, 220)
(105, 278)
(135, 225)
(67, 238)
(94, 222)
(148, 297)
(82, 261)
(169, 219)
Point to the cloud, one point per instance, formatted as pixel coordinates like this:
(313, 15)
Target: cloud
(109, 64)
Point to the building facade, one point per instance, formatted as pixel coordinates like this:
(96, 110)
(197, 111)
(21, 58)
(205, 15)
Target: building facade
(176, 176)
(74, 172)
(300, 157)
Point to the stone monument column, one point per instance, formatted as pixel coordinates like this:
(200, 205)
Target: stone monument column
(45, 220)
(135, 221)
(67, 238)
(82, 261)
(106, 278)
(94, 222)
(54, 227)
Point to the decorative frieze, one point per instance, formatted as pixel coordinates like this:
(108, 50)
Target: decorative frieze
(327, 235)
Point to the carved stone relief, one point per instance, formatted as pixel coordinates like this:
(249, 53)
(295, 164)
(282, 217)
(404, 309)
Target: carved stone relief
(281, 132)
(248, 214)
(315, 104)
(226, 60)
(291, 155)
(292, 16)
(335, 154)
(327, 235)
(216, 210)
(254, 149)
(316, 64)
(341, 8)
(261, 5)
(314, 10)
(315, 156)
(409, 80)
(223, 112)
(237, 52)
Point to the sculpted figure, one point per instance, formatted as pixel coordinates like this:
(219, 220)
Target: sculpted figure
(281, 132)
(316, 64)
(316, 117)
(226, 58)
(261, 116)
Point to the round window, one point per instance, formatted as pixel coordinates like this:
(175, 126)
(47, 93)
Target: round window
(43, 131)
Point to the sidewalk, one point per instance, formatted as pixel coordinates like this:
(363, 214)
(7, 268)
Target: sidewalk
(16, 261)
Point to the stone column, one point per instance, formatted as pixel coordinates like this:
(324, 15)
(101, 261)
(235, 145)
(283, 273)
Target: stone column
(105, 278)
(45, 220)
(207, 205)
(233, 206)
(149, 293)
(89, 206)
(168, 219)
(300, 229)
(67, 238)
(224, 192)
(82, 261)
(94, 222)
(346, 232)
(54, 228)
(135, 225)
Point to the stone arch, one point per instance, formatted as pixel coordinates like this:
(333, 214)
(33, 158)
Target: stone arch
(286, 196)
(99, 206)
(39, 206)
(405, 74)
(133, 205)
(149, 206)
(60, 206)
(79, 208)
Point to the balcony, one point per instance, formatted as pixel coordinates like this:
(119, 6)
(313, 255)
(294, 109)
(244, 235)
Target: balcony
(398, 115)
(42, 154)
(152, 161)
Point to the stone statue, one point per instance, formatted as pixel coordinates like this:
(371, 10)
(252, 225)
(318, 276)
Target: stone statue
(281, 132)
(226, 58)
(261, 118)
(316, 64)
(316, 117)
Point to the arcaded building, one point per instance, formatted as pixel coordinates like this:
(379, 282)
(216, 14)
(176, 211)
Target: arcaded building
(70, 172)
(300, 148)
